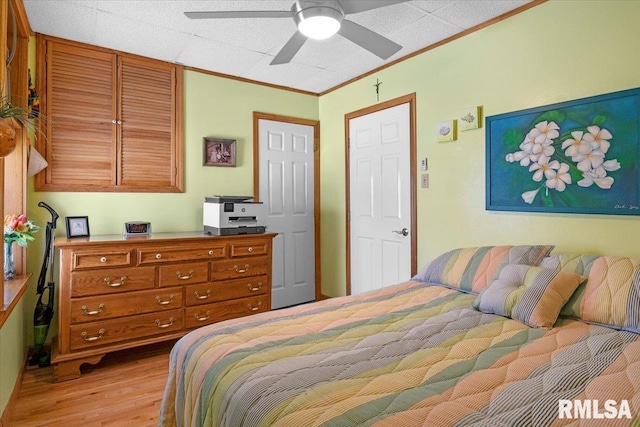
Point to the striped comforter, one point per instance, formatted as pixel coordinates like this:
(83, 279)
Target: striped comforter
(408, 355)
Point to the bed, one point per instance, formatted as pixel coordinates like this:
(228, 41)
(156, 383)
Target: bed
(488, 336)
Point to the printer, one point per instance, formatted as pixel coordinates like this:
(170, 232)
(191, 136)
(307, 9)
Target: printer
(229, 215)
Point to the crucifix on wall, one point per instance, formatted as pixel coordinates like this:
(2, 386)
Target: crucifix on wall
(377, 86)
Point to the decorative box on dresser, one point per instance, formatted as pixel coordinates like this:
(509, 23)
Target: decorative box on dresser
(116, 293)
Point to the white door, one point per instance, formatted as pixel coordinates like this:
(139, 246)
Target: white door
(286, 175)
(380, 198)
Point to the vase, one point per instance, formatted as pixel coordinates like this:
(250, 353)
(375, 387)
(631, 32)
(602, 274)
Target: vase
(9, 266)
(8, 140)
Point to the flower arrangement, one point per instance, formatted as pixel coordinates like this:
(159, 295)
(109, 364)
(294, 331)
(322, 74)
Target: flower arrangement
(18, 228)
(584, 153)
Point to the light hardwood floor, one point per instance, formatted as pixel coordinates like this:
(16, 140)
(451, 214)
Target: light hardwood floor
(124, 389)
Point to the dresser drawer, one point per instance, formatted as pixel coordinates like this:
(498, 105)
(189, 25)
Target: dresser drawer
(255, 248)
(217, 312)
(112, 280)
(102, 259)
(120, 330)
(230, 289)
(241, 267)
(162, 254)
(183, 273)
(90, 309)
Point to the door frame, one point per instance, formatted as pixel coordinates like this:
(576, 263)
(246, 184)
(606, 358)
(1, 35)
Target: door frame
(406, 99)
(257, 116)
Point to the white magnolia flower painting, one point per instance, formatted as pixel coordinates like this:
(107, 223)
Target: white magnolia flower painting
(580, 156)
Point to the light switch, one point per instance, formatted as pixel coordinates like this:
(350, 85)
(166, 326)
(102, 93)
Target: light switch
(425, 180)
(423, 164)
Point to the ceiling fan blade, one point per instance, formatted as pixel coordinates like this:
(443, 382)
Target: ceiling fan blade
(290, 49)
(355, 6)
(240, 14)
(370, 40)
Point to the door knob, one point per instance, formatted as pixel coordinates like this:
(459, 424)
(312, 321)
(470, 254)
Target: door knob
(404, 232)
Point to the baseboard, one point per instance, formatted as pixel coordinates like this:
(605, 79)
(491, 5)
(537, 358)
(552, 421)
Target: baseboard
(323, 296)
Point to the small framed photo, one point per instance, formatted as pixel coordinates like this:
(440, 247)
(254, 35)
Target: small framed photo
(219, 152)
(77, 226)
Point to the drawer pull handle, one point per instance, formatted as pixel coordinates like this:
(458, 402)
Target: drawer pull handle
(85, 336)
(158, 256)
(187, 277)
(250, 249)
(107, 281)
(254, 288)
(241, 270)
(255, 308)
(86, 311)
(103, 259)
(169, 301)
(165, 325)
(198, 296)
(203, 318)
(210, 252)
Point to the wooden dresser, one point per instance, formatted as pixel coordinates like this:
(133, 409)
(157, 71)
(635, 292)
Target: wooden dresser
(116, 293)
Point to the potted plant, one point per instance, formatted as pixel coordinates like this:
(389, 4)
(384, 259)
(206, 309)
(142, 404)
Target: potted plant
(11, 118)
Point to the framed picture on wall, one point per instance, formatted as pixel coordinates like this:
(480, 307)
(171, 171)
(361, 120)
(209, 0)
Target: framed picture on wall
(580, 156)
(219, 152)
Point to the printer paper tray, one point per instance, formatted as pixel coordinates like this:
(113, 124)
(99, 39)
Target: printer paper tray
(231, 231)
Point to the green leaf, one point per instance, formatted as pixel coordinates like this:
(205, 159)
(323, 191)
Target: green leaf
(513, 138)
(551, 116)
(546, 199)
(599, 120)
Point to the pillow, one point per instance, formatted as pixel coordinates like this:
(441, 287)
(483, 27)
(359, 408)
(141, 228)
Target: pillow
(611, 294)
(571, 263)
(532, 295)
(472, 269)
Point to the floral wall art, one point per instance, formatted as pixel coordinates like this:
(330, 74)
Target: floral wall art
(579, 156)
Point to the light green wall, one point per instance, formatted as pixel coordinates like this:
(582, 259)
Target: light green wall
(556, 51)
(13, 348)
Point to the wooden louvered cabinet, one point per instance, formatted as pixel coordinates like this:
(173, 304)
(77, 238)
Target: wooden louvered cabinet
(117, 293)
(113, 120)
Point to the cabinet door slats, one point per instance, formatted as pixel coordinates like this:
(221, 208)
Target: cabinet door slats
(81, 138)
(147, 122)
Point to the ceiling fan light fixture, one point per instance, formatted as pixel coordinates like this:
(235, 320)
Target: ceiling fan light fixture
(319, 22)
(319, 27)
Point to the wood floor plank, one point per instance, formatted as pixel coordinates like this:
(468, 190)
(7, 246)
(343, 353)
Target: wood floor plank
(123, 390)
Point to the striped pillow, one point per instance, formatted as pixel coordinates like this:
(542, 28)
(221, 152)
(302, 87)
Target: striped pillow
(472, 269)
(532, 295)
(611, 294)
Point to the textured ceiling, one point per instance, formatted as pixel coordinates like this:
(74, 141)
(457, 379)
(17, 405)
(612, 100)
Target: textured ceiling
(244, 47)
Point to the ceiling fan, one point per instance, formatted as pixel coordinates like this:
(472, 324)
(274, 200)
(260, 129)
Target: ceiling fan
(319, 19)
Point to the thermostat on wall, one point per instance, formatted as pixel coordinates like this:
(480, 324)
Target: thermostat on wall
(137, 228)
